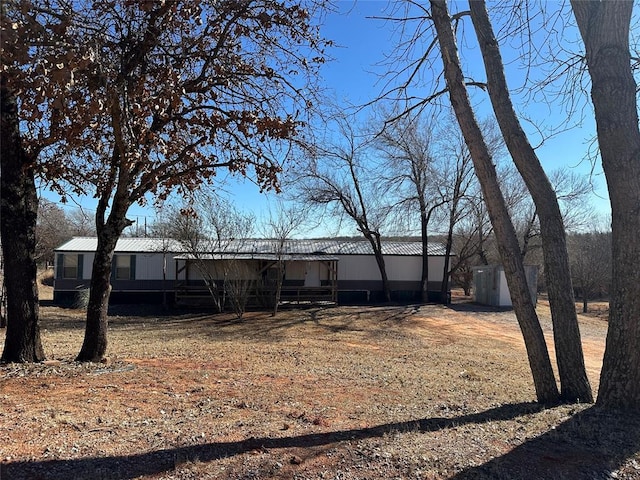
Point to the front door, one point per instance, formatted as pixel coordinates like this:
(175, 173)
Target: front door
(312, 274)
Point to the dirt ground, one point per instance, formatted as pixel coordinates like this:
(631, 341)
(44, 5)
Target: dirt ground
(405, 392)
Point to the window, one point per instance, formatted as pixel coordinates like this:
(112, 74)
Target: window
(124, 267)
(70, 266)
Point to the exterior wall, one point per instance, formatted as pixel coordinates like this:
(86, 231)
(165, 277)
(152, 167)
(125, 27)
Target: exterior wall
(149, 266)
(436, 267)
(399, 268)
(504, 297)
(357, 267)
(236, 270)
(295, 271)
(358, 276)
(490, 285)
(403, 268)
(306, 273)
(148, 273)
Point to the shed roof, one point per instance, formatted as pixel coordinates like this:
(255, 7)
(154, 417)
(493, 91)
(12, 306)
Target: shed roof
(253, 247)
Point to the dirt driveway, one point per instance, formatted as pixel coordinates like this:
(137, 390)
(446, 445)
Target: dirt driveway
(468, 319)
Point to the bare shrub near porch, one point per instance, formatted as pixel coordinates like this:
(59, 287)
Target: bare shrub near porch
(238, 286)
(210, 230)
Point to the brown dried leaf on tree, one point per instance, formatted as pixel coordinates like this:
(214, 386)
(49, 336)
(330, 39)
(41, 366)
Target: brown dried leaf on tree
(154, 98)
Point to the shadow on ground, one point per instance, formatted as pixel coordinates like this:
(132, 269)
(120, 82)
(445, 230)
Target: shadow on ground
(472, 307)
(591, 444)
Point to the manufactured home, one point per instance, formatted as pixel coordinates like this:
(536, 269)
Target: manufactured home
(146, 270)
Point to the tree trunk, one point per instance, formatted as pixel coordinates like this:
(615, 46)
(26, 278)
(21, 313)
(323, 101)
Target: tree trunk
(604, 27)
(444, 286)
(94, 345)
(539, 361)
(424, 279)
(574, 382)
(376, 245)
(383, 273)
(453, 213)
(279, 281)
(18, 213)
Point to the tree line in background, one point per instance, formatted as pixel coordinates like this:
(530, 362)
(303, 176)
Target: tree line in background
(122, 100)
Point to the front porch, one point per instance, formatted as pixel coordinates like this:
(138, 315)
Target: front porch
(304, 280)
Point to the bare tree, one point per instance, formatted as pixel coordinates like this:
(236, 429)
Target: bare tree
(574, 192)
(335, 177)
(605, 30)
(590, 257)
(544, 381)
(411, 174)
(575, 384)
(211, 231)
(82, 223)
(280, 225)
(458, 170)
(464, 202)
(52, 229)
(545, 204)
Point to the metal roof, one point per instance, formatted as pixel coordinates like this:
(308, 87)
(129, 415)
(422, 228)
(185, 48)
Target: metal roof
(258, 256)
(124, 245)
(255, 247)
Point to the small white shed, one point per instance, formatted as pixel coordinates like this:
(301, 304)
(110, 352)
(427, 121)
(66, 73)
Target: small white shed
(490, 285)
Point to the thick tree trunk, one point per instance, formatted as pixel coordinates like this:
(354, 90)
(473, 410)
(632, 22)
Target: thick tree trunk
(94, 345)
(604, 27)
(18, 213)
(571, 368)
(539, 361)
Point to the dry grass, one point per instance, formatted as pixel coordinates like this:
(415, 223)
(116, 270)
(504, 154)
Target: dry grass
(415, 392)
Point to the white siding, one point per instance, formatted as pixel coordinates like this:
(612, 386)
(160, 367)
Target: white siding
(358, 267)
(436, 266)
(350, 267)
(405, 268)
(149, 266)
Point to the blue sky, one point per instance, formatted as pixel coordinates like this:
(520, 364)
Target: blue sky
(354, 75)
